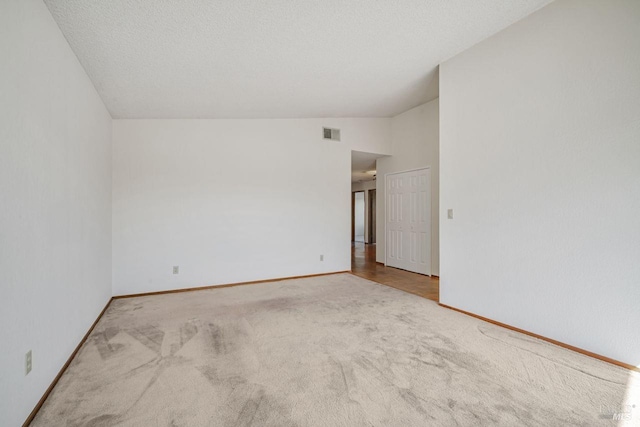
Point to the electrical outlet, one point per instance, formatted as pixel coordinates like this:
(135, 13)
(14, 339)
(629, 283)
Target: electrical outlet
(450, 213)
(321, 257)
(176, 269)
(27, 362)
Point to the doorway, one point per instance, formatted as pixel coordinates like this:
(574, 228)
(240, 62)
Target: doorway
(408, 220)
(357, 229)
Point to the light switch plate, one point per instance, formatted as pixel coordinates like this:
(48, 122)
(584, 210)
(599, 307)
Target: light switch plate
(450, 213)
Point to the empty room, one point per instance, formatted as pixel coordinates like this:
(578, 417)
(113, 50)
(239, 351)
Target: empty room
(319, 213)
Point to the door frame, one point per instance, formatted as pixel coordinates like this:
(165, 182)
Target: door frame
(372, 218)
(353, 214)
(385, 211)
(353, 217)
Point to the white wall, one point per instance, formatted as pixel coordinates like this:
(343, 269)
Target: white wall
(414, 144)
(55, 219)
(232, 200)
(540, 160)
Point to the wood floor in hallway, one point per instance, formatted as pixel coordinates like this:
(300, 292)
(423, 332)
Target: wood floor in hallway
(363, 264)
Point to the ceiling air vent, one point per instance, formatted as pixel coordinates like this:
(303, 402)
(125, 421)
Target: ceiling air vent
(332, 134)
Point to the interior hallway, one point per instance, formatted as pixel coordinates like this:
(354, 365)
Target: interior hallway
(363, 264)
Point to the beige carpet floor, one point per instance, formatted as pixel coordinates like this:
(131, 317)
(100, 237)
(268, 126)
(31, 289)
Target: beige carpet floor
(327, 351)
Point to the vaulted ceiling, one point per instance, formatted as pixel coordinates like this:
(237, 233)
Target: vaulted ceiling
(276, 58)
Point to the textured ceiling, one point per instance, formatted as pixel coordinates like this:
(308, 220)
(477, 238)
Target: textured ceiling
(276, 58)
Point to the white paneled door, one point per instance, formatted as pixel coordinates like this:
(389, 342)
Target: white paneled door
(408, 219)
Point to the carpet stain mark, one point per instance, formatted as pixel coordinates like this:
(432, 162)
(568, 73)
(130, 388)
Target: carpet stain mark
(187, 332)
(556, 362)
(213, 376)
(149, 336)
(461, 359)
(250, 404)
(369, 365)
(427, 356)
(428, 340)
(441, 367)
(405, 318)
(144, 366)
(217, 340)
(285, 304)
(102, 342)
(345, 384)
(370, 328)
(249, 410)
(232, 339)
(344, 378)
(152, 338)
(210, 373)
(414, 401)
(279, 304)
